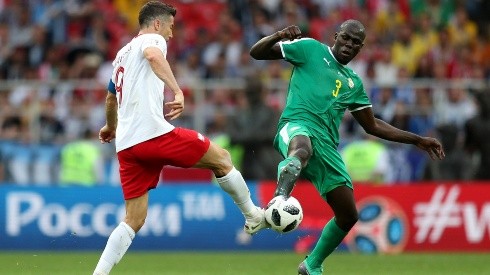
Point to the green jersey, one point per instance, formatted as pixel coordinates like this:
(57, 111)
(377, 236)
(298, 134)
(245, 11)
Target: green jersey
(320, 88)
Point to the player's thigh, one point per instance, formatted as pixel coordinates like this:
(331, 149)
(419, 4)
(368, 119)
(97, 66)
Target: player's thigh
(326, 169)
(216, 158)
(137, 174)
(180, 147)
(286, 134)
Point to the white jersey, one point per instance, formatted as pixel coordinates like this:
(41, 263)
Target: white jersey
(140, 114)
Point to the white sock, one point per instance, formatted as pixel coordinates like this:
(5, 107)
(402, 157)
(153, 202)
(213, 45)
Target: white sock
(234, 184)
(117, 244)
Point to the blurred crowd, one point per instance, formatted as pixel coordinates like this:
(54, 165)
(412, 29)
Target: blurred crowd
(425, 63)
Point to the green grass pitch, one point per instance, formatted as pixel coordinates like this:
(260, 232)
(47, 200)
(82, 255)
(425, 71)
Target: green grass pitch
(246, 263)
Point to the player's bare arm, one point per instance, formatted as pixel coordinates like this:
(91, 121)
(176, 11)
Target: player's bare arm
(267, 47)
(108, 132)
(161, 68)
(381, 129)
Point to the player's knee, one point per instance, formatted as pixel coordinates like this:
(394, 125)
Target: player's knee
(300, 147)
(347, 220)
(223, 163)
(352, 219)
(303, 154)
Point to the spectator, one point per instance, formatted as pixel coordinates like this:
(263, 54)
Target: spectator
(15, 154)
(81, 162)
(385, 104)
(20, 25)
(477, 131)
(367, 160)
(462, 30)
(126, 9)
(96, 36)
(217, 100)
(38, 47)
(5, 45)
(50, 15)
(386, 72)
(51, 129)
(226, 47)
(456, 107)
(217, 132)
(407, 49)
(253, 128)
(425, 30)
(456, 165)
(440, 10)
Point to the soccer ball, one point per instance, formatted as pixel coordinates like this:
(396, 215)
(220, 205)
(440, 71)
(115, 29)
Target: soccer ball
(382, 227)
(284, 215)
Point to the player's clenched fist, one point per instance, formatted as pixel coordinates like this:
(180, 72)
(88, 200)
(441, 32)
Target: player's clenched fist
(292, 32)
(106, 134)
(177, 106)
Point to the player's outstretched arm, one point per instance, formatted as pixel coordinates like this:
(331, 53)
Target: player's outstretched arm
(267, 47)
(381, 129)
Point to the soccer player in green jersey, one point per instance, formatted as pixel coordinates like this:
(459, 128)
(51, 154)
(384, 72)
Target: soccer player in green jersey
(321, 88)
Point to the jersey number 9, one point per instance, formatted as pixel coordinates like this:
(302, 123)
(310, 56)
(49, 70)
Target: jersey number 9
(119, 83)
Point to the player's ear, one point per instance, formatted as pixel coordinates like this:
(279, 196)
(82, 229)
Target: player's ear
(335, 35)
(156, 24)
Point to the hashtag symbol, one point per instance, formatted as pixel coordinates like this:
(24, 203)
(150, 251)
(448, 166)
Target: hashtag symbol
(432, 218)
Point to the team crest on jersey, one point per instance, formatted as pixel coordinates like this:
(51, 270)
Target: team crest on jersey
(351, 83)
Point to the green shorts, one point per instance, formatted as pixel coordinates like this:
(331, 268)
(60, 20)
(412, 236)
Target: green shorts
(325, 169)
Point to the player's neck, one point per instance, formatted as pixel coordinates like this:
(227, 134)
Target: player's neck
(146, 31)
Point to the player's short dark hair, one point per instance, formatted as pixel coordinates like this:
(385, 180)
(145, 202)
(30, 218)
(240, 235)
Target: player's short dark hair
(354, 23)
(154, 9)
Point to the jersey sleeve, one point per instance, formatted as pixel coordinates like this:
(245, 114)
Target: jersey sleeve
(154, 40)
(360, 100)
(295, 51)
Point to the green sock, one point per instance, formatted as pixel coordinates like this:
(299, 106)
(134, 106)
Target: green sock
(330, 238)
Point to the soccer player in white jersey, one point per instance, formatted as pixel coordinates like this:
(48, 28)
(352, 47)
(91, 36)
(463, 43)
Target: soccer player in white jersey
(146, 141)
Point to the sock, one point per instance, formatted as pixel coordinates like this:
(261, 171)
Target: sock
(330, 238)
(286, 180)
(117, 244)
(234, 184)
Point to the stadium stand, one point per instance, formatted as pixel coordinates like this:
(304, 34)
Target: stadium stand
(423, 64)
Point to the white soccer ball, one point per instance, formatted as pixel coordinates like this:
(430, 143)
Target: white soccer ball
(284, 215)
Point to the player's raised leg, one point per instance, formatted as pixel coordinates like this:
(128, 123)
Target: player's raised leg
(298, 153)
(123, 235)
(231, 181)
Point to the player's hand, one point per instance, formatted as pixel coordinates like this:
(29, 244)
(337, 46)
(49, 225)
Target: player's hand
(106, 134)
(176, 106)
(292, 32)
(432, 146)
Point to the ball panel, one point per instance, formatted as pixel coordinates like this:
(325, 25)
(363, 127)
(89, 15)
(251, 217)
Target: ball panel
(291, 209)
(276, 217)
(290, 227)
